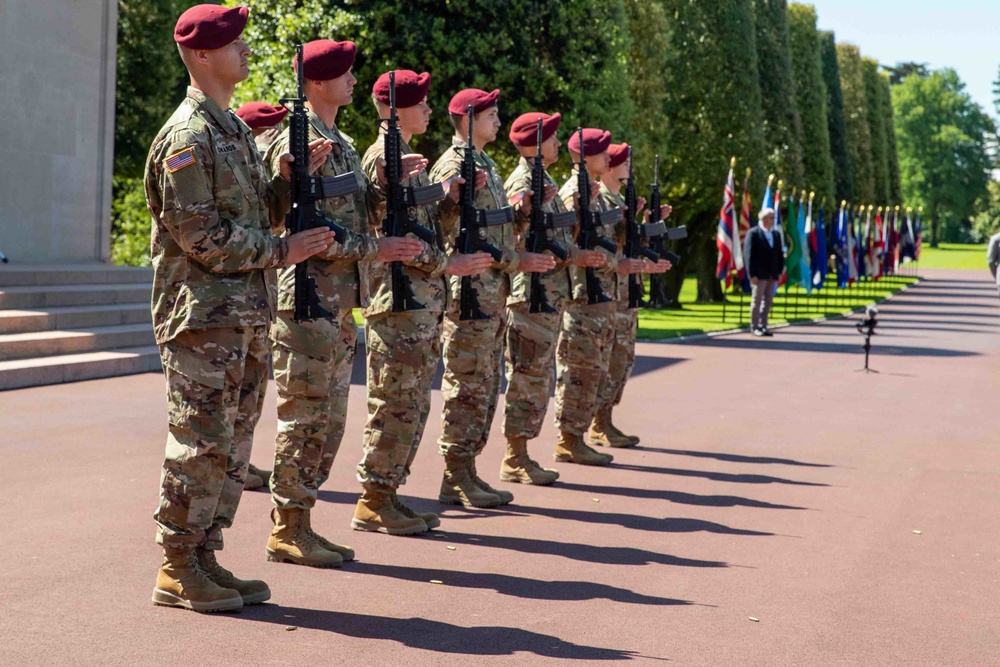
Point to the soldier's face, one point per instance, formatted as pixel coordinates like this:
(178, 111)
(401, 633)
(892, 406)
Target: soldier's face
(230, 63)
(550, 150)
(415, 119)
(487, 124)
(340, 91)
(621, 171)
(599, 164)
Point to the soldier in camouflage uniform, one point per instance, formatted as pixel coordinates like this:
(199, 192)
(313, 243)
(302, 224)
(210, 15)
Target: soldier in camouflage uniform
(625, 320)
(403, 347)
(212, 301)
(264, 121)
(585, 342)
(472, 349)
(531, 337)
(313, 359)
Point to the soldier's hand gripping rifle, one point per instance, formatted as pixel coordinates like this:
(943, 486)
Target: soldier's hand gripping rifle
(306, 192)
(539, 239)
(472, 228)
(634, 233)
(399, 198)
(592, 224)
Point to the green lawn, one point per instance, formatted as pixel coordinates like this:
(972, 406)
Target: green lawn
(953, 256)
(793, 306)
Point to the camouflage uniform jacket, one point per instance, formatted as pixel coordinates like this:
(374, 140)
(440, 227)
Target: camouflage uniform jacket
(340, 271)
(493, 285)
(612, 199)
(426, 272)
(211, 239)
(609, 279)
(557, 282)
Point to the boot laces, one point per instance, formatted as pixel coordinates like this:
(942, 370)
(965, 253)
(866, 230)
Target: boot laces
(403, 509)
(211, 568)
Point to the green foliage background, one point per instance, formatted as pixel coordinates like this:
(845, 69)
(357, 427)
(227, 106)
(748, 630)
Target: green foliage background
(695, 81)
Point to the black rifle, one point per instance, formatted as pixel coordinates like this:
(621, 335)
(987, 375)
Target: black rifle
(538, 240)
(399, 198)
(306, 192)
(634, 233)
(658, 241)
(472, 229)
(592, 224)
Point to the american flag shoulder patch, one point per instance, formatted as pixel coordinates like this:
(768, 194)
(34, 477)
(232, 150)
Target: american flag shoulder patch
(179, 160)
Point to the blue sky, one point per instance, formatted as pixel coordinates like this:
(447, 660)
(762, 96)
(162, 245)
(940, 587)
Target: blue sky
(961, 34)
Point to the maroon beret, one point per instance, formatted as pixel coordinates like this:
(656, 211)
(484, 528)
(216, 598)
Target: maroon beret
(210, 26)
(524, 131)
(411, 88)
(261, 114)
(618, 154)
(325, 59)
(595, 141)
(480, 101)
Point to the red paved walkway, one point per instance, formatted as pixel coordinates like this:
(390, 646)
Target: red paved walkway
(792, 499)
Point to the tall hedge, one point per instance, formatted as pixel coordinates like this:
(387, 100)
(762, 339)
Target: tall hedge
(544, 56)
(713, 105)
(782, 123)
(859, 141)
(811, 95)
(842, 184)
(877, 114)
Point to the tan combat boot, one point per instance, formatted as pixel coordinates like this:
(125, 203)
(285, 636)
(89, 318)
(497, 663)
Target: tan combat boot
(291, 541)
(182, 583)
(345, 552)
(571, 448)
(253, 591)
(506, 497)
(377, 512)
(616, 432)
(517, 467)
(430, 518)
(458, 487)
(603, 434)
(256, 478)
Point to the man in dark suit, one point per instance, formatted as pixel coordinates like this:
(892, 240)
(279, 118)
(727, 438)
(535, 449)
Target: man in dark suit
(764, 258)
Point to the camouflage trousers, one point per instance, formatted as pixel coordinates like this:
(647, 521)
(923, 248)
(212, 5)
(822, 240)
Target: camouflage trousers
(530, 355)
(216, 379)
(403, 351)
(312, 371)
(582, 358)
(472, 353)
(622, 359)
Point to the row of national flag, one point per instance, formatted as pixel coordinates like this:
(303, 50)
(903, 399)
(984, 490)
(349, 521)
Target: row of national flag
(860, 245)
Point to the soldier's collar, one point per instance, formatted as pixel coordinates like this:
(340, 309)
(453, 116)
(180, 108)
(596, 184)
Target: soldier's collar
(224, 118)
(331, 133)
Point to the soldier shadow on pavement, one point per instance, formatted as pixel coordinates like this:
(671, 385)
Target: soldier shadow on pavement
(647, 364)
(430, 635)
(715, 476)
(521, 587)
(835, 348)
(638, 522)
(735, 458)
(676, 496)
(588, 553)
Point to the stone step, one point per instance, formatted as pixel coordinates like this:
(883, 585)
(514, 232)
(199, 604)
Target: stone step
(53, 343)
(23, 275)
(89, 294)
(73, 367)
(72, 317)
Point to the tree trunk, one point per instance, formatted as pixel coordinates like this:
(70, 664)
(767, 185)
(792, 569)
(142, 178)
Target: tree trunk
(709, 289)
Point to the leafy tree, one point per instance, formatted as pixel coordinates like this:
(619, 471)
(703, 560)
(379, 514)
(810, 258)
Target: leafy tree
(903, 70)
(986, 222)
(895, 185)
(782, 124)
(572, 60)
(877, 114)
(859, 141)
(712, 102)
(811, 93)
(942, 135)
(842, 184)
